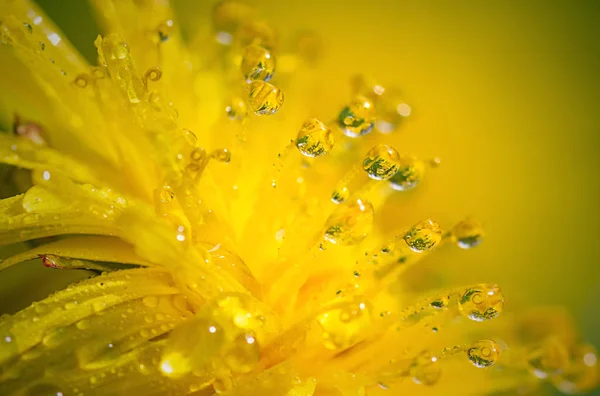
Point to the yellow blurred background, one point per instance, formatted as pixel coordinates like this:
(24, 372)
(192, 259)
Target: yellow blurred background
(506, 93)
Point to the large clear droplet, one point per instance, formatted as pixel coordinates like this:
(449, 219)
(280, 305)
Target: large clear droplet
(481, 302)
(314, 138)
(484, 353)
(425, 369)
(409, 173)
(344, 324)
(264, 98)
(257, 63)
(358, 117)
(468, 233)
(350, 224)
(381, 162)
(423, 236)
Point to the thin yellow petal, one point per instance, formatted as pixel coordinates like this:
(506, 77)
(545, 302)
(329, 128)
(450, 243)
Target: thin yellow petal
(94, 248)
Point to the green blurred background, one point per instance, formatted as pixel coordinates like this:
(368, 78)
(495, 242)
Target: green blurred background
(506, 93)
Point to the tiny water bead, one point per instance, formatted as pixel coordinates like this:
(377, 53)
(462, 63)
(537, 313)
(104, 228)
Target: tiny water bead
(236, 109)
(164, 30)
(340, 195)
(344, 323)
(482, 302)
(350, 224)
(484, 353)
(198, 154)
(548, 359)
(264, 98)
(314, 138)
(468, 233)
(425, 369)
(221, 155)
(409, 173)
(381, 162)
(423, 236)
(166, 194)
(358, 117)
(257, 63)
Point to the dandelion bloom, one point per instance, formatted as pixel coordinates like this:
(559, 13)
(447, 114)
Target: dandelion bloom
(227, 229)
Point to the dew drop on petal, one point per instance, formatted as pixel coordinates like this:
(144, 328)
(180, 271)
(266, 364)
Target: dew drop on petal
(257, 63)
(350, 224)
(425, 369)
(314, 138)
(468, 233)
(358, 117)
(344, 324)
(484, 353)
(423, 236)
(481, 302)
(264, 98)
(409, 174)
(381, 162)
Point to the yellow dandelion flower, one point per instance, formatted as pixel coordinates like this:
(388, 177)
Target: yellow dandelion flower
(229, 232)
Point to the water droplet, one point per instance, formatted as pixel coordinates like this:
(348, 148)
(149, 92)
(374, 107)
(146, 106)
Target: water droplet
(423, 236)
(344, 324)
(409, 174)
(99, 305)
(165, 30)
(28, 27)
(244, 353)
(221, 155)
(481, 302)
(83, 324)
(381, 162)
(358, 118)
(40, 307)
(484, 353)
(440, 302)
(350, 224)
(257, 63)
(264, 98)
(425, 369)
(236, 109)
(42, 46)
(340, 195)
(198, 154)
(314, 138)
(549, 359)
(150, 301)
(468, 233)
(166, 194)
(191, 346)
